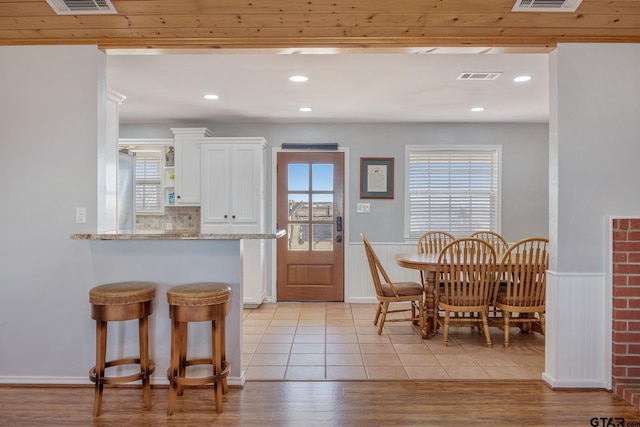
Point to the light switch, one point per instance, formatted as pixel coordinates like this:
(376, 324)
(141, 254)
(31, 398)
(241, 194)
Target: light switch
(81, 215)
(364, 208)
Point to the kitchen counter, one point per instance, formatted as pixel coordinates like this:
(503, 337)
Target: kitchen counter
(176, 235)
(174, 258)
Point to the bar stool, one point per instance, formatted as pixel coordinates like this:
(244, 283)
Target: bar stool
(119, 302)
(198, 302)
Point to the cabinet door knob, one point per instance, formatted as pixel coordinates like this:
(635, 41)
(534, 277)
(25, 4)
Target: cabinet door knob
(233, 216)
(225, 216)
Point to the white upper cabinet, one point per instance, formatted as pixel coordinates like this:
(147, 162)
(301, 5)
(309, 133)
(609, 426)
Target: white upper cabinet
(187, 164)
(233, 185)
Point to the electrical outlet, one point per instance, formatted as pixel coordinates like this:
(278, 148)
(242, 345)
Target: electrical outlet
(364, 207)
(81, 215)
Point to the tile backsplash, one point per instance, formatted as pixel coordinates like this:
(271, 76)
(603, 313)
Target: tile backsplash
(184, 218)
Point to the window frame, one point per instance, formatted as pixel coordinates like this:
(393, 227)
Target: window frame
(484, 148)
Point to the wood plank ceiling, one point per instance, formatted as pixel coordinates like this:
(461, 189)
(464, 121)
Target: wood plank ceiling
(189, 24)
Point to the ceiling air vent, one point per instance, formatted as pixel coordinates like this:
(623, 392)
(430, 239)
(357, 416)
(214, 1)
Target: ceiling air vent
(479, 76)
(546, 5)
(82, 7)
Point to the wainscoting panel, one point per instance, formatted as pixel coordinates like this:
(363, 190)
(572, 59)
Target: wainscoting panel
(358, 281)
(575, 342)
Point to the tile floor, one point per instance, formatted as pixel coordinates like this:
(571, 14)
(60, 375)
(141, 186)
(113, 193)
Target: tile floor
(337, 341)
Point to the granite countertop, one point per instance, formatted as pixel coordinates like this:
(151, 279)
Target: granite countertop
(175, 235)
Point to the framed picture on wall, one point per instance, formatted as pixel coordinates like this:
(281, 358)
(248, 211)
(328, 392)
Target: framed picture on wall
(376, 177)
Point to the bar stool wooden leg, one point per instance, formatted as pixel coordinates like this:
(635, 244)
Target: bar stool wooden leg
(143, 338)
(184, 339)
(223, 353)
(101, 350)
(174, 368)
(216, 344)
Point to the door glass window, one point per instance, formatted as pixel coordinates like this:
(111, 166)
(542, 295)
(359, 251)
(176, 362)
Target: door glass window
(322, 208)
(310, 198)
(322, 177)
(298, 177)
(322, 237)
(298, 207)
(298, 237)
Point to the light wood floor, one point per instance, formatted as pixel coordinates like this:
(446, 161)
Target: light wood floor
(323, 403)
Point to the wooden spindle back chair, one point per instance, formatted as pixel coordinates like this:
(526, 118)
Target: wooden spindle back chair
(432, 242)
(523, 285)
(499, 243)
(388, 292)
(465, 280)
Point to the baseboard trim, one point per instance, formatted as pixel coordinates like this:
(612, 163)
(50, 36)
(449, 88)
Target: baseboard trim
(582, 384)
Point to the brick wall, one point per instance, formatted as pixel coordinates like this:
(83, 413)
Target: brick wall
(626, 309)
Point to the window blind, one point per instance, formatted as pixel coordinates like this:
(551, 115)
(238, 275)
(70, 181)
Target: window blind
(149, 169)
(454, 190)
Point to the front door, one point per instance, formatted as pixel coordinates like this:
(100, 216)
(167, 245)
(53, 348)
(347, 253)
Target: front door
(310, 187)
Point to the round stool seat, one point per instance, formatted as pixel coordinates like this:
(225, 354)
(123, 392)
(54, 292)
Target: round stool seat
(198, 294)
(122, 293)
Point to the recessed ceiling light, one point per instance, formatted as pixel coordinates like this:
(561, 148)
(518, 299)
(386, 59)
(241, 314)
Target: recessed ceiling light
(304, 109)
(476, 109)
(521, 79)
(211, 96)
(298, 78)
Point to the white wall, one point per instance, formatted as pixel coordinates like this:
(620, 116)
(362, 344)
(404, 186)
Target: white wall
(594, 151)
(598, 130)
(525, 165)
(48, 158)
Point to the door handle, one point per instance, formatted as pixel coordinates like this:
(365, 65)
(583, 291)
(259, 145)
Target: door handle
(339, 238)
(339, 224)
